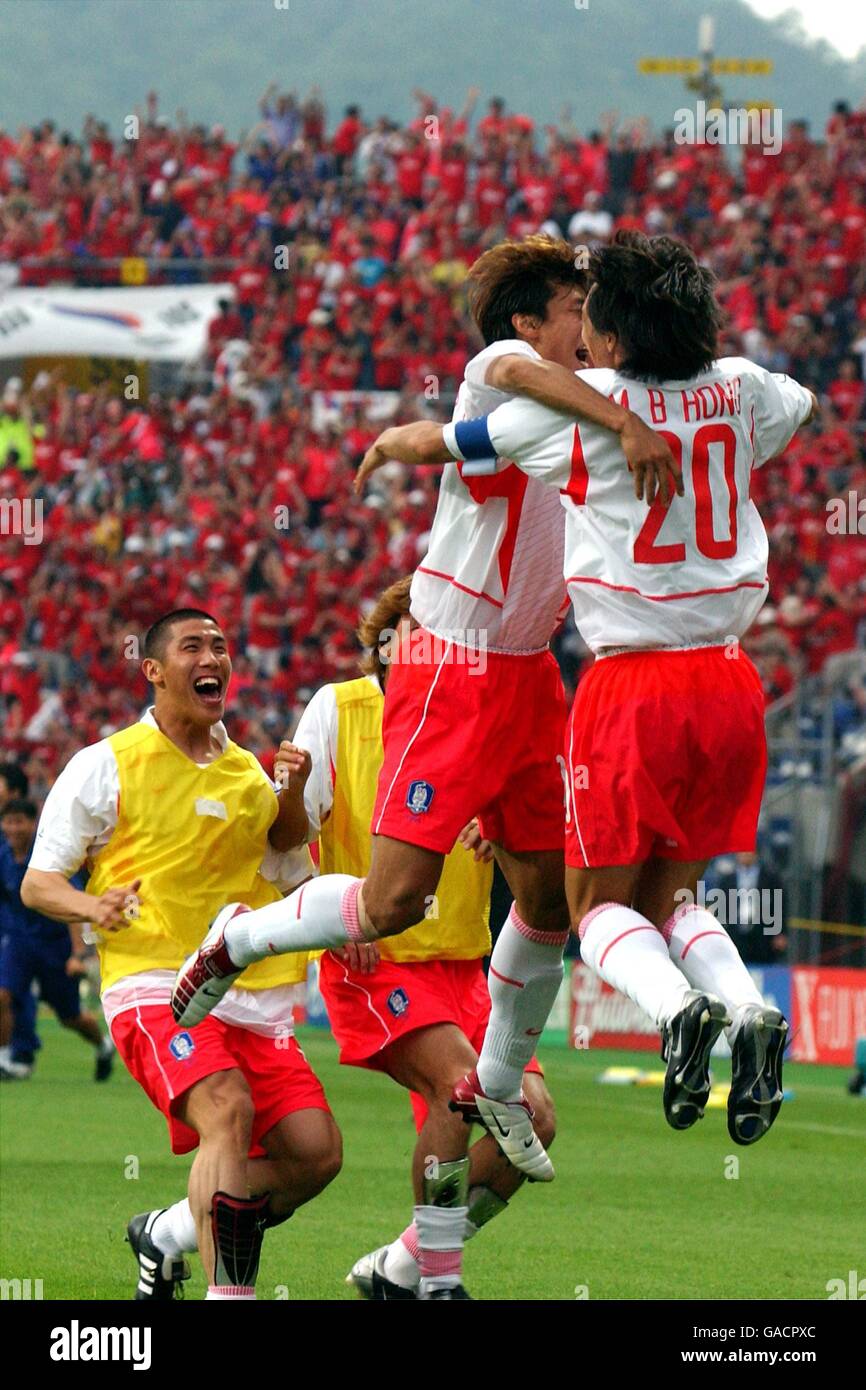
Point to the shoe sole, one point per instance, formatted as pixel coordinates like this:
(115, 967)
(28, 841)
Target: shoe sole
(756, 1065)
(687, 1080)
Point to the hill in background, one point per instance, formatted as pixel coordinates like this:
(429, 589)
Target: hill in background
(214, 57)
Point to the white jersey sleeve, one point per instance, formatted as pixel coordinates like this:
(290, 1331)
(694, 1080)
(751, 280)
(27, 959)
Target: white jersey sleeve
(317, 733)
(781, 405)
(80, 811)
(533, 435)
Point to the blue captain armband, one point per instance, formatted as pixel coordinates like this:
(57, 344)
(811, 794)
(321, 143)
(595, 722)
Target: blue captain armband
(469, 440)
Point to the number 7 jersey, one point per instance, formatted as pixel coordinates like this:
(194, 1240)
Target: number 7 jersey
(688, 574)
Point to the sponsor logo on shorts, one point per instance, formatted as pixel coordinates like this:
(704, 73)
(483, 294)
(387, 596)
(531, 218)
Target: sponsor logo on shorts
(398, 1002)
(419, 797)
(181, 1046)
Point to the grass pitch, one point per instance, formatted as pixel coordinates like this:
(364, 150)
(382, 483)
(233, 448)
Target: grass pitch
(636, 1211)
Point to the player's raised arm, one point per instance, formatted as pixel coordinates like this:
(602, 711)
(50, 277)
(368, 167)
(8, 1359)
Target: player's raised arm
(292, 767)
(648, 455)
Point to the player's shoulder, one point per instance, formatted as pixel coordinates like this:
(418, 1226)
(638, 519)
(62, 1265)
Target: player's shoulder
(362, 690)
(91, 760)
(743, 367)
(476, 367)
(602, 379)
(131, 737)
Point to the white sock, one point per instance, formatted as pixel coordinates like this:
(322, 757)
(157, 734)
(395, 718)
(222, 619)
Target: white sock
(6, 1054)
(322, 913)
(228, 1291)
(440, 1240)
(401, 1261)
(630, 954)
(524, 980)
(173, 1231)
(702, 949)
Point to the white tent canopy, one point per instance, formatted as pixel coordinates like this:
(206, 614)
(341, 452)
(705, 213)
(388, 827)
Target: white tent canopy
(160, 323)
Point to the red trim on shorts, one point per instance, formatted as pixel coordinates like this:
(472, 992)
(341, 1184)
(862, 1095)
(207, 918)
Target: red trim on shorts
(665, 598)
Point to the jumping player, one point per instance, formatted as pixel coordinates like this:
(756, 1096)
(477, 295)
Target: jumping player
(173, 807)
(420, 1014)
(491, 586)
(665, 751)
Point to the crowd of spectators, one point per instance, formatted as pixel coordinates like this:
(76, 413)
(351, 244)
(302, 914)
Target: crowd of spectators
(346, 245)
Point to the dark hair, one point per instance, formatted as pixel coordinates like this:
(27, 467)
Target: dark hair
(20, 806)
(156, 638)
(15, 778)
(651, 292)
(519, 277)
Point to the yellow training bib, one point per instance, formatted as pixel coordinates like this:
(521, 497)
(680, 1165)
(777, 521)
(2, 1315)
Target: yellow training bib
(195, 836)
(457, 923)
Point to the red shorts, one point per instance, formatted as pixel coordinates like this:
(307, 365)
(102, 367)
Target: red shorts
(369, 1012)
(463, 740)
(667, 757)
(166, 1060)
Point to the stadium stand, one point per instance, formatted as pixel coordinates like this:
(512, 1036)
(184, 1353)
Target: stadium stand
(347, 250)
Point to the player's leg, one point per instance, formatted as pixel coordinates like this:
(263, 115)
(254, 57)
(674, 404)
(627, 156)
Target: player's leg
(428, 1061)
(626, 950)
(700, 946)
(304, 1154)
(61, 991)
(18, 1037)
(323, 913)
(229, 1223)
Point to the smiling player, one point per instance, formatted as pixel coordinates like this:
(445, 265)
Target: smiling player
(173, 808)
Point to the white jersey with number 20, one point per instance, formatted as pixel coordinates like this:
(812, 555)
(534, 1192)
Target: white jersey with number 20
(687, 574)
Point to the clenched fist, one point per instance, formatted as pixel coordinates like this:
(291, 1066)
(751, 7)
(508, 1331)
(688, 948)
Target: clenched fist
(292, 766)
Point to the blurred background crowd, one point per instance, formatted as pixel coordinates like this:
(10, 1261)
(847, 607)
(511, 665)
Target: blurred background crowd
(346, 242)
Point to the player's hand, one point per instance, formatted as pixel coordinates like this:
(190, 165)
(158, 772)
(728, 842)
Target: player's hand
(116, 908)
(375, 458)
(362, 956)
(650, 459)
(292, 766)
(470, 838)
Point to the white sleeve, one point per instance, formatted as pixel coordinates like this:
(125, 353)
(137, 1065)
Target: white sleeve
(317, 732)
(475, 371)
(288, 869)
(781, 406)
(537, 439)
(80, 811)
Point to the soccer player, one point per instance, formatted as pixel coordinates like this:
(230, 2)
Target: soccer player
(420, 1014)
(16, 1058)
(173, 808)
(665, 751)
(476, 707)
(33, 947)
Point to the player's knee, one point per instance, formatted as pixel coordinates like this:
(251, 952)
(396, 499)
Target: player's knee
(328, 1162)
(544, 908)
(394, 909)
(230, 1111)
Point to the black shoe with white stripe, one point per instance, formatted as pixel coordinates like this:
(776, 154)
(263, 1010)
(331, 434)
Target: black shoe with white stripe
(687, 1042)
(756, 1074)
(160, 1277)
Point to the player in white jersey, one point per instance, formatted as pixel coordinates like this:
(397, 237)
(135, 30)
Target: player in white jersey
(665, 752)
(474, 710)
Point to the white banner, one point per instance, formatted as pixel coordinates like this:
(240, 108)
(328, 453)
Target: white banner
(161, 323)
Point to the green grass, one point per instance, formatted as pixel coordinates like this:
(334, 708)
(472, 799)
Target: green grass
(636, 1211)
